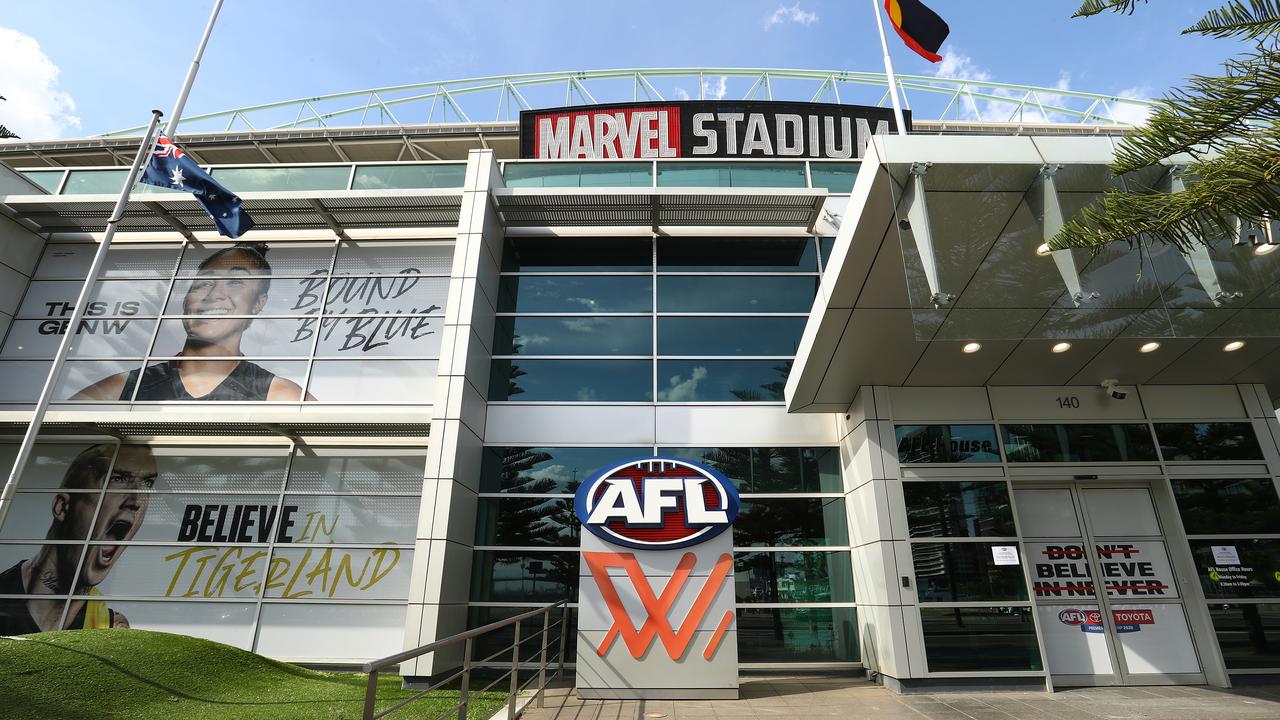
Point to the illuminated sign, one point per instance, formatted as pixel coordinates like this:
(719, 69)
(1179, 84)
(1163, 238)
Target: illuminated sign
(703, 129)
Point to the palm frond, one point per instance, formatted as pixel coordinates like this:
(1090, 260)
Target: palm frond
(1089, 8)
(1258, 18)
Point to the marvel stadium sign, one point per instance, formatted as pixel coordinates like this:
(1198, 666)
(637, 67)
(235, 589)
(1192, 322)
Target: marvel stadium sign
(702, 129)
(656, 504)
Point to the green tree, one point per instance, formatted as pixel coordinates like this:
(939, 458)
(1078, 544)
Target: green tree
(1225, 125)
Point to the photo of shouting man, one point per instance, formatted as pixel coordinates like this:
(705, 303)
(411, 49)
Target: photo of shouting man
(230, 287)
(58, 569)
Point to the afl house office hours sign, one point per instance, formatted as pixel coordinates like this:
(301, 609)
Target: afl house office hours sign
(655, 605)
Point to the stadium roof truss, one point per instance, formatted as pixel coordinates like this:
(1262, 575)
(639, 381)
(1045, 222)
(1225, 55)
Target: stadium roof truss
(501, 98)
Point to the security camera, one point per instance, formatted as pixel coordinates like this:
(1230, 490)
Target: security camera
(1112, 386)
(904, 224)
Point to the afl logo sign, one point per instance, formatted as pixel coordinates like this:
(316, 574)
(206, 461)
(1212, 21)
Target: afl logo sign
(656, 504)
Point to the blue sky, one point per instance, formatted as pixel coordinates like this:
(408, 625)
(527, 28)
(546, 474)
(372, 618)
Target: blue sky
(81, 67)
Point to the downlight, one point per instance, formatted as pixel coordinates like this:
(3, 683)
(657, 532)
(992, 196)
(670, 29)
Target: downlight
(1061, 347)
(971, 348)
(1149, 347)
(1233, 346)
(1043, 250)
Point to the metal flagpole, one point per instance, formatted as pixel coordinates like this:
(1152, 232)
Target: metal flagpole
(888, 71)
(77, 315)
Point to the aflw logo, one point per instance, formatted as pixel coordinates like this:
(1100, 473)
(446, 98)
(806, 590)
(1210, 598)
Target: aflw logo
(657, 503)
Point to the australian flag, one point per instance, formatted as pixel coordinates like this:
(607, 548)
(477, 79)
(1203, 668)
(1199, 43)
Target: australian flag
(171, 168)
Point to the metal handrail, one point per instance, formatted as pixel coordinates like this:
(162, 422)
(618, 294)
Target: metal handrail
(373, 667)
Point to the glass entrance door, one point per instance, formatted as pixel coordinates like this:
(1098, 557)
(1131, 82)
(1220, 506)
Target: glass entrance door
(1131, 631)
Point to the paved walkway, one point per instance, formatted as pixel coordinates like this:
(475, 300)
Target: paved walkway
(811, 697)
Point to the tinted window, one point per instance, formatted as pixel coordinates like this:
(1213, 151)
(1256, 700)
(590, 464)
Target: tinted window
(573, 336)
(1208, 441)
(1249, 635)
(735, 294)
(980, 639)
(1212, 507)
(729, 335)
(960, 572)
(599, 254)
(527, 522)
(835, 177)
(959, 509)
(540, 577)
(379, 177)
(727, 254)
(825, 246)
(793, 577)
(722, 380)
(571, 380)
(731, 174)
(783, 522)
(779, 635)
(771, 470)
(947, 444)
(543, 470)
(587, 174)
(1256, 576)
(580, 294)
(1078, 443)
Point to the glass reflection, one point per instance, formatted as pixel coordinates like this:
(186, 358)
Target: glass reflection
(527, 522)
(544, 470)
(722, 380)
(793, 577)
(963, 572)
(1078, 443)
(1208, 441)
(571, 380)
(1249, 635)
(693, 294)
(573, 336)
(955, 508)
(730, 254)
(729, 335)
(771, 469)
(781, 635)
(577, 254)
(575, 294)
(981, 639)
(1225, 506)
(542, 577)
(947, 444)
(784, 522)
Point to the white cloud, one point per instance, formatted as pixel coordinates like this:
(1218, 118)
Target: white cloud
(791, 14)
(959, 66)
(717, 91)
(35, 108)
(682, 94)
(682, 390)
(1132, 113)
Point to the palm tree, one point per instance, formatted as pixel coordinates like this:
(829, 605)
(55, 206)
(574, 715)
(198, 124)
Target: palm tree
(1229, 128)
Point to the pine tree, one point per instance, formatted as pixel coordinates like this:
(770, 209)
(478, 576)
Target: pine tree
(1229, 128)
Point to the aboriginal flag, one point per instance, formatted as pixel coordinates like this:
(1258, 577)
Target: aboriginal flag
(920, 28)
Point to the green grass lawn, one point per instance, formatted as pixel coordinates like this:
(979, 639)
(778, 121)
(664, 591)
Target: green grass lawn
(77, 674)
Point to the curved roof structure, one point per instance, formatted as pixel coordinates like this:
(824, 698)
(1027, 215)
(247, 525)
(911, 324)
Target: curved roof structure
(500, 98)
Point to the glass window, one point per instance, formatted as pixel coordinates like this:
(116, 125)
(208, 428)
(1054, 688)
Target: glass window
(730, 335)
(825, 246)
(542, 470)
(573, 336)
(493, 642)
(575, 294)
(47, 179)
(579, 174)
(737, 254)
(959, 509)
(285, 259)
(381, 177)
(410, 259)
(980, 639)
(574, 254)
(104, 182)
(346, 470)
(540, 577)
(1226, 506)
(782, 635)
(571, 380)
(947, 444)
(793, 577)
(722, 380)
(964, 572)
(771, 469)
(281, 179)
(527, 522)
(731, 174)
(1249, 635)
(785, 522)
(692, 294)
(1257, 575)
(1208, 441)
(1078, 443)
(835, 177)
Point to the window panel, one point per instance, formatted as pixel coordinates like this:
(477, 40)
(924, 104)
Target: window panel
(176, 571)
(21, 380)
(527, 522)
(962, 572)
(785, 522)
(351, 470)
(982, 639)
(793, 577)
(104, 182)
(258, 337)
(1249, 635)
(219, 469)
(1256, 576)
(1208, 441)
(241, 296)
(1078, 443)
(109, 298)
(225, 622)
(573, 336)
(1226, 506)
(539, 577)
(98, 337)
(369, 257)
(106, 380)
(797, 635)
(403, 294)
(835, 177)
(959, 509)
(722, 380)
(387, 177)
(50, 464)
(345, 573)
(582, 174)
(494, 641)
(315, 630)
(373, 380)
(571, 380)
(729, 294)
(210, 380)
(284, 259)
(283, 179)
(47, 179)
(362, 336)
(732, 174)
(354, 519)
(771, 469)
(740, 254)
(947, 444)
(825, 246)
(577, 254)
(575, 294)
(729, 335)
(545, 470)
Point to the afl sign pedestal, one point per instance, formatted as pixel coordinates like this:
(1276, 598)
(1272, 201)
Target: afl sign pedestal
(655, 606)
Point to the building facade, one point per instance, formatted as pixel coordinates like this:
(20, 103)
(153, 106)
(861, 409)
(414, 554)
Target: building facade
(360, 429)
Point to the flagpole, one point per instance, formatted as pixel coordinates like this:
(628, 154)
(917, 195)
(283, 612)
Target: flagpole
(77, 315)
(888, 71)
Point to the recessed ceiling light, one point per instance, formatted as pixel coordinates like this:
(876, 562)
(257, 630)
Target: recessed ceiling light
(1043, 250)
(1233, 346)
(1266, 249)
(1062, 347)
(1149, 347)
(972, 347)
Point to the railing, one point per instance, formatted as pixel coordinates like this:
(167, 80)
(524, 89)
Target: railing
(463, 674)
